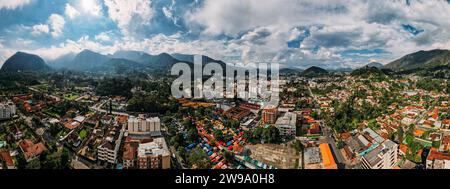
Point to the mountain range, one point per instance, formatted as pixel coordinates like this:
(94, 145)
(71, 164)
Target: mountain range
(421, 60)
(87, 60)
(123, 61)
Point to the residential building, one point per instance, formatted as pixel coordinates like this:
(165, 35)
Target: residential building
(438, 160)
(6, 157)
(269, 115)
(154, 155)
(129, 155)
(108, 150)
(384, 156)
(142, 125)
(327, 157)
(287, 124)
(319, 157)
(7, 110)
(312, 158)
(31, 150)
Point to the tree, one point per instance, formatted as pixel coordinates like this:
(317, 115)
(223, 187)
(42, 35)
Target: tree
(297, 145)
(65, 159)
(228, 156)
(400, 134)
(197, 158)
(192, 135)
(272, 135)
(34, 164)
(115, 86)
(218, 135)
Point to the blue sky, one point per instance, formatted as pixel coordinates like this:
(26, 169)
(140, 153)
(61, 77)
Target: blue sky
(299, 33)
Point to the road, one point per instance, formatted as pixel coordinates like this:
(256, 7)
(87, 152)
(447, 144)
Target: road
(340, 160)
(97, 108)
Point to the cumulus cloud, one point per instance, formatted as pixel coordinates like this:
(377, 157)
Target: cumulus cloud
(54, 26)
(104, 36)
(91, 7)
(40, 29)
(130, 16)
(9, 4)
(70, 11)
(56, 23)
(326, 33)
(329, 28)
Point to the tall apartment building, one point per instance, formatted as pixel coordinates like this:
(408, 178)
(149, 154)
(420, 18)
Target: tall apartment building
(269, 115)
(154, 155)
(384, 156)
(7, 110)
(129, 155)
(108, 150)
(287, 124)
(142, 125)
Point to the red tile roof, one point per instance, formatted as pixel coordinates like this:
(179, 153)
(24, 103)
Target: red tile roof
(6, 157)
(434, 154)
(30, 149)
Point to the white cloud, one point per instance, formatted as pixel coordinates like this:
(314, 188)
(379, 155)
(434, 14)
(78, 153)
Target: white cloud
(130, 15)
(333, 26)
(56, 23)
(104, 36)
(13, 4)
(91, 7)
(40, 29)
(169, 13)
(70, 11)
(260, 31)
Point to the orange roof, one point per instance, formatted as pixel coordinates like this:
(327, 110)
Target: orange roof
(6, 157)
(403, 148)
(434, 154)
(446, 121)
(122, 119)
(71, 124)
(345, 135)
(418, 132)
(446, 143)
(419, 152)
(30, 150)
(428, 122)
(435, 116)
(327, 157)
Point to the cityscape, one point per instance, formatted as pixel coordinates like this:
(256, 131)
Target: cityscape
(85, 85)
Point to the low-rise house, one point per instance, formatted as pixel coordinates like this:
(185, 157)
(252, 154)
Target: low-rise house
(438, 160)
(31, 150)
(6, 157)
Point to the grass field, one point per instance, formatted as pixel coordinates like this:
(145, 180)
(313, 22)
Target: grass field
(83, 134)
(71, 96)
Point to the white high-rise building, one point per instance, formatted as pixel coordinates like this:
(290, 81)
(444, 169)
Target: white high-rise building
(287, 124)
(142, 125)
(384, 156)
(7, 110)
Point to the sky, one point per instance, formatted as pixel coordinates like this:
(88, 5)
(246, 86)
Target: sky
(296, 33)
